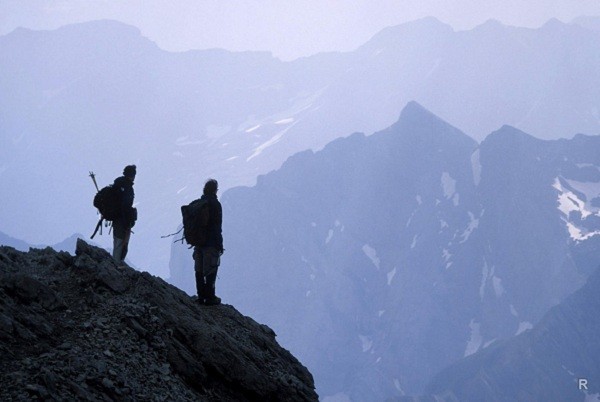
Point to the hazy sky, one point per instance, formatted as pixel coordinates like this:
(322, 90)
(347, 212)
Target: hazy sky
(287, 28)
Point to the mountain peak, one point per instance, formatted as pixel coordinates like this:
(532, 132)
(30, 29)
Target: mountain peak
(413, 108)
(553, 23)
(510, 133)
(428, 27)
(128, 335)
(416, 118)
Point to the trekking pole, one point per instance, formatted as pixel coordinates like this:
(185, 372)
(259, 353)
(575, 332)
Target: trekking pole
(99, 224)
(93, 176)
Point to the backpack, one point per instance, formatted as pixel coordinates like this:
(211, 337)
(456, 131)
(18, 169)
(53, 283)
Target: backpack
(108, 202)
(195, 222)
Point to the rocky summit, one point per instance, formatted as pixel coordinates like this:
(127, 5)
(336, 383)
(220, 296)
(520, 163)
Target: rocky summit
(80, 328)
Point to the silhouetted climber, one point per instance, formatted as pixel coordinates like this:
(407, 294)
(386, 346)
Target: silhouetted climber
(207, 256)
(125, 220)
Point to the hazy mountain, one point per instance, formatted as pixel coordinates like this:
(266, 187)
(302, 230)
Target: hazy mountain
(546, 363)
(380, 260)
(6, 240)
(67, 244)
(98, 96)
(588, 22)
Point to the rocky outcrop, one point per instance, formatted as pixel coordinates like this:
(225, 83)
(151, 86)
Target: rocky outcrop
(79, 328)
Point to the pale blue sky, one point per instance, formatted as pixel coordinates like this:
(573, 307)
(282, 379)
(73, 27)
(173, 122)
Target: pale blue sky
(288, 29)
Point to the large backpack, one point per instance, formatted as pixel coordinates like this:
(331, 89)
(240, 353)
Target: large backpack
(195, 222)
(108, 202)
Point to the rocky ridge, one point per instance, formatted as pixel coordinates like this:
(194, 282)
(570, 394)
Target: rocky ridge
(77, 327)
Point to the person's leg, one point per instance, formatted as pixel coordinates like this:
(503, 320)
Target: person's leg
(125, 244)
(210, 268)
(199, 272)
(118, 245)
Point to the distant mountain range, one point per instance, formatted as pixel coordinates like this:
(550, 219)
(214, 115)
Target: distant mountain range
(67, 244)
(556, 361)
(380, 260)
(98, 96)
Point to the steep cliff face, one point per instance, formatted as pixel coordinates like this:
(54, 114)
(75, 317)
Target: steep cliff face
(79, 328)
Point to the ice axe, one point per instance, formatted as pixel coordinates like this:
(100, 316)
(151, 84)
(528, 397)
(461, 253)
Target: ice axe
(99, 224)
(93, 176)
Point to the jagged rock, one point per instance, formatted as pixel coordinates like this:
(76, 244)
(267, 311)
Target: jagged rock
(79, 328)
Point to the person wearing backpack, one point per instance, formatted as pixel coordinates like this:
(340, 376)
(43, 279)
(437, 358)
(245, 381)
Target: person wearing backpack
(125, 220)
(207, 257)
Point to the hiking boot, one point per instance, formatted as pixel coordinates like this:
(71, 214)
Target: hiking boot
(213, 301)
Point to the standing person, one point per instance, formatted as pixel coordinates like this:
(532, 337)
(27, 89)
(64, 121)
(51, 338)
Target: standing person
(124, 222)
(207, 257)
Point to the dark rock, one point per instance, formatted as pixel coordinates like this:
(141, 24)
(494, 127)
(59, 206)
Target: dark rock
(79, 329)
(6, 324)
(28, 289)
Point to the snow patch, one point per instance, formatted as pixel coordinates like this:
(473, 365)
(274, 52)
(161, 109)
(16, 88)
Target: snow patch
(251, 129)
(410, 218)
(524, 326)
(475, 340)
(447, 255)
(577, 233)
(569, 202)
(390, 276)
(498, 288)
(274, 140)
(473, 224)
(372, 254)
(513, 311)
(366, 342)
(448, 185)
(329, 236)
(398, 387)
(484, 277)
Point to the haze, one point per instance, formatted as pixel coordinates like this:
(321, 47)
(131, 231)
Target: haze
(288, 29)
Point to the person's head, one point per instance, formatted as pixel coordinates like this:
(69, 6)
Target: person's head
(211, 187)
(129, 172)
